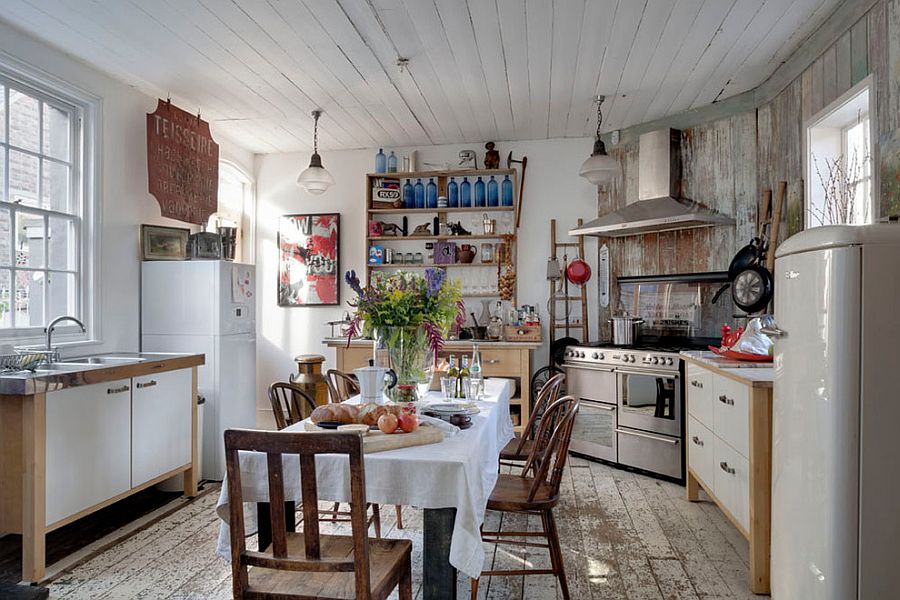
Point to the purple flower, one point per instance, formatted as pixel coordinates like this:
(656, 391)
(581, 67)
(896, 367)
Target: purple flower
(434, 278)
(353, 281)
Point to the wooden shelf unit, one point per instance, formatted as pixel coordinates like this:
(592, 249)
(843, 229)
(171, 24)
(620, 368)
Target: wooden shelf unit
(442, 179)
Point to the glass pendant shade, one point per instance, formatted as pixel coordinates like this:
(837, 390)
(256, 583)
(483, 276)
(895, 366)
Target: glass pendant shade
(599, 167)
(315, 179)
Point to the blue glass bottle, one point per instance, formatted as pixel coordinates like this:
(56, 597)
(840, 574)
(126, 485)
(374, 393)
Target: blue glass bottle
(431, 194)
(420, 194)
(465, 193)
(453, 193)
(380, 162)
(392, 163)
(479, 193)
(493, 192)
(506, 192)
(409, 195)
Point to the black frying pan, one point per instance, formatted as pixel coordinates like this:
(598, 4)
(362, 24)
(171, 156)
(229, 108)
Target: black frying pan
(752, 289)
(746, 257)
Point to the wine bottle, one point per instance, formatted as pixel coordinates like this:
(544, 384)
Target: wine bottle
(463, 379)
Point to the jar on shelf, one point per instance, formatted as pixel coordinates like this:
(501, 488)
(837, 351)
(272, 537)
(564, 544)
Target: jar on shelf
(487, 253)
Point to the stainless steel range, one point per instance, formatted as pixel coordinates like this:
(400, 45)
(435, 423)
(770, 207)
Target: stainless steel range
(631, 406)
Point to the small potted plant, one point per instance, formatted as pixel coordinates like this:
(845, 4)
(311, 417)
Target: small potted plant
(408, 315)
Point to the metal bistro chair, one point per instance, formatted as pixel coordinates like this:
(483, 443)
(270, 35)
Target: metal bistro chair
(309, 564)
(288, 401)
(519, 448)
(536, 492)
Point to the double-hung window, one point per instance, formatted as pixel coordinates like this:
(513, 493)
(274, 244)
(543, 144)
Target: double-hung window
(45, 208)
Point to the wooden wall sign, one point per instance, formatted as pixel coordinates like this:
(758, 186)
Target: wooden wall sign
(182, 164)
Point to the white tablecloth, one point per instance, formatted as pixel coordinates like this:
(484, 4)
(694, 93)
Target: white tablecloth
(459, 472)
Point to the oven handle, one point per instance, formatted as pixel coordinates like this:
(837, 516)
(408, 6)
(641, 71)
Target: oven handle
(673, 441)
(588, 367)
(665, 375)
(600, 405)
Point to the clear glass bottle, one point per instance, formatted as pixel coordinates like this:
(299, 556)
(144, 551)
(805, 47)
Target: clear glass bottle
(409, 195)
(493, 192)
(506, 193)
(453, 193)
(431, 194)
(380, 162)
(479, 192)
(462, 381)
(419, 192)
(392, 163)
(476, 376)
(465, 193)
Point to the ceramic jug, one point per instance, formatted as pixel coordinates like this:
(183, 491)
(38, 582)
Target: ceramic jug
(466, 253)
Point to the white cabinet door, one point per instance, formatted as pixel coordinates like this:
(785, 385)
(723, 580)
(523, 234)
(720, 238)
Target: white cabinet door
(161, 412)
(88, 446)
(700, 394)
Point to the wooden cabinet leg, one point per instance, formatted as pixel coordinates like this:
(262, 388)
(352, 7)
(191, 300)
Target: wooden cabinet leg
(34, 487)
(693, 487)
(192, 475)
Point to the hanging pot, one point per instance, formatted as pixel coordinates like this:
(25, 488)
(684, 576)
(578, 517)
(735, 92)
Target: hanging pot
(752, 289)
(746, 257)
(578, 272)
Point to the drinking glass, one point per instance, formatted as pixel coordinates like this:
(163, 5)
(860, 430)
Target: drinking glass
(447, 385)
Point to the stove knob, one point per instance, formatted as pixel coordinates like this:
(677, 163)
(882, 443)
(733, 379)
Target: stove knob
(595, 356)
(669, 361)
(631, 358)
(601, 356)
(624, 358)
(655, 360)
(581, 355)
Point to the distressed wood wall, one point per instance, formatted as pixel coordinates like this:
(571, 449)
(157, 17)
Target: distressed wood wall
(727, 164)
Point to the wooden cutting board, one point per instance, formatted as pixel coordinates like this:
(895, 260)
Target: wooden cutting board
(377, 441)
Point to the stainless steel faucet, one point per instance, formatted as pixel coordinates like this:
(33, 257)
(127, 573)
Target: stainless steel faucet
(53, 354)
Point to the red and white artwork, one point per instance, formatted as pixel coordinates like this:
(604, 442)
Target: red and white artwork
(308, 264)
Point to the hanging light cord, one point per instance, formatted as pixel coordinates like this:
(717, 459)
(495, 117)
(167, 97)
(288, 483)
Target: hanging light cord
(600, 100)
(316, 115)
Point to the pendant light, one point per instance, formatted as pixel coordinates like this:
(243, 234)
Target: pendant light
(315, 179)
(599, 167)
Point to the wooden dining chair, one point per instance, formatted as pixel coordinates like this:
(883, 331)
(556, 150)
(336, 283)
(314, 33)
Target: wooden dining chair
(290, 404)
(536, 491)
(518, 449)
(341, 386)
(309, 564)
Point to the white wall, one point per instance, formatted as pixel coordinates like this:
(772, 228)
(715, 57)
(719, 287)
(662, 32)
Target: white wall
(126, 204)
(553, 189)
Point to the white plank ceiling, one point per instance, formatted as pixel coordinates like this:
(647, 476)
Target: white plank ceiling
(478, 69)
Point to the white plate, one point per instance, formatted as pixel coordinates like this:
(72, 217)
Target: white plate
(452, 408)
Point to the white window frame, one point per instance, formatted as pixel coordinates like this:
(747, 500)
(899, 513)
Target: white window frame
(248, 214)
(85, 150)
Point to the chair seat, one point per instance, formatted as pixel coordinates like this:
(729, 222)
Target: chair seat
(386, 561)
(510, 450)
(511, 494)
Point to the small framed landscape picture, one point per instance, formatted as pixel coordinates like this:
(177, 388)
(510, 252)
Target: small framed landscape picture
(164, 243)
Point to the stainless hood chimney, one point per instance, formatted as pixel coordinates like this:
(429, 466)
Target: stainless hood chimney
(658, 207)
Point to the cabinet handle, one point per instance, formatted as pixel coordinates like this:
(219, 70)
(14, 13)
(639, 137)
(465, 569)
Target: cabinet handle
(726, 400)
(696, 384)
(150, 383)
(491, 361)
(117, 390)
(724, 466)
(697, 440)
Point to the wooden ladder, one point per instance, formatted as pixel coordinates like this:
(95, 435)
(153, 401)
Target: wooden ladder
(565, 297)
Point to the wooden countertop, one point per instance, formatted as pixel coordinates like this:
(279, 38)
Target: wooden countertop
(758, 375)
(333, 342)
(25, 383)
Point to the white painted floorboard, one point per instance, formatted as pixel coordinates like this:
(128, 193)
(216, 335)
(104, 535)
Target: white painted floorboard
(623, 536)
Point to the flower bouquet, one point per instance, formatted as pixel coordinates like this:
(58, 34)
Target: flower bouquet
(409, 316)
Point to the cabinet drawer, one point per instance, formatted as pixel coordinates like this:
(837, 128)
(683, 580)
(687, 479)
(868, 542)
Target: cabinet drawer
(732, 482)
(500, 362)
(700, 394)
(731, 414)
(701, 449)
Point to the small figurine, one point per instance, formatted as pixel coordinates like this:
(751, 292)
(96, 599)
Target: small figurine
(491, 157)
(376, 228)
(423, 229)
(458, 229)
(391, 229)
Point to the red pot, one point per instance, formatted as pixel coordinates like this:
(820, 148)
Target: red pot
(578, 272)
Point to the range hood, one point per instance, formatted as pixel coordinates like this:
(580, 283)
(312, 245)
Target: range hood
(658, 207)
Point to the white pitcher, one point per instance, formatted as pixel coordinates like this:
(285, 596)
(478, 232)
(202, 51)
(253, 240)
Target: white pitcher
(372, 384)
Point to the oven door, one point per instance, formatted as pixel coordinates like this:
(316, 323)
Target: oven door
(594, 433)
(650, 401)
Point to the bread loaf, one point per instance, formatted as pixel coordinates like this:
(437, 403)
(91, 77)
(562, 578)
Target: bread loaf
(335, 413)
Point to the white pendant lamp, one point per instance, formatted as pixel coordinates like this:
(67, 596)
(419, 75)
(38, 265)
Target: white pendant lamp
(315, 179)
(599, 167)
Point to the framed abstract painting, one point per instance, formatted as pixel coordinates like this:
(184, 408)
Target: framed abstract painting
(308, 260)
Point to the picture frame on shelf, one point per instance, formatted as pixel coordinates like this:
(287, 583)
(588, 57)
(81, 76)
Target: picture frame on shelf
(164, 243)
(309, 260)
(205, 245)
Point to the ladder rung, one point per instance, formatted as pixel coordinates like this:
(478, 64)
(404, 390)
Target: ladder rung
(566, 244)
(570, 298)
(571, 326)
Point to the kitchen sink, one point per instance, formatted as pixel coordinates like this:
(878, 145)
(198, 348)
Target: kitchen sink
(103, 360)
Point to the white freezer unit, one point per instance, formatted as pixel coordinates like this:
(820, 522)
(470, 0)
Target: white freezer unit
(193, 306)
(836, 415)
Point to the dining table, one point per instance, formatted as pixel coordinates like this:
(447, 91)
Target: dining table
(449, 480)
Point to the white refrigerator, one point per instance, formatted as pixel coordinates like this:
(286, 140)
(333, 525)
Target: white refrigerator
(836, 415)
(207, 307)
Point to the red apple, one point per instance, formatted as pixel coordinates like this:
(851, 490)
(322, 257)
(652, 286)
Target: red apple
(387, 423)
(408, 422)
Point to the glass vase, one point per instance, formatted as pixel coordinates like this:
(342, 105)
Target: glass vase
(410, 356)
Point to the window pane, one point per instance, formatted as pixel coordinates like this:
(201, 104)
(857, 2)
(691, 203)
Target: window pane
(5, 295)
(55, 189)
(61, 294)
(5, 238)
(2, 114)
(62, 244)
(24, 121)
(56, 132)
(23, 178)
(29, 298)
(2, 172)
(29, 240)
